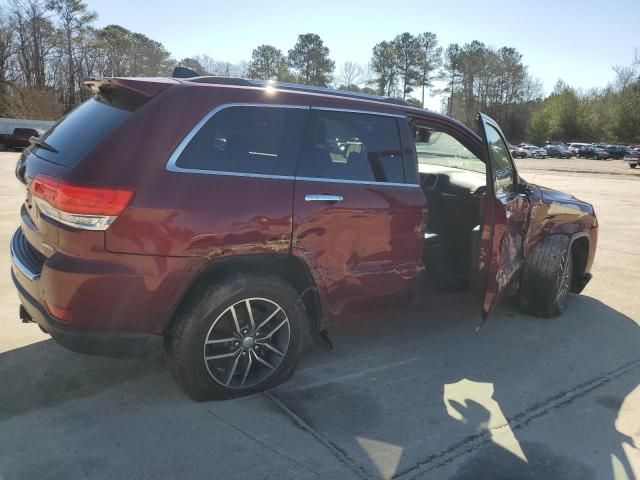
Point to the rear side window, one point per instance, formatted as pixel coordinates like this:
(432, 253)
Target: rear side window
(253, 140)
(354, 146)
(78, 132)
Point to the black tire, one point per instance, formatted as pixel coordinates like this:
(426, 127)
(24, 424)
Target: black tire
(633, 165)
(546, 277)
(194, 326)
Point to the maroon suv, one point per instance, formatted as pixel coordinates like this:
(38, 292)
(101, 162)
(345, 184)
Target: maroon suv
(233, 218)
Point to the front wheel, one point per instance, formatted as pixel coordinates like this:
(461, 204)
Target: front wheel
(240, 336)
(546, 277)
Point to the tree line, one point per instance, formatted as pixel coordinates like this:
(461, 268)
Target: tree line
(48, 47)
(609, 115)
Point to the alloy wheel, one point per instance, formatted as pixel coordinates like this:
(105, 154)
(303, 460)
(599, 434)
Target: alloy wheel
(246, 343)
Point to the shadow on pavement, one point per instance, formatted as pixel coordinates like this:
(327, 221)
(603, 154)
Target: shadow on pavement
(413, 394)
(43, 374)
(430, 393)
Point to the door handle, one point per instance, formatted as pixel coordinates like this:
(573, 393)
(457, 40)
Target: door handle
(323, 198)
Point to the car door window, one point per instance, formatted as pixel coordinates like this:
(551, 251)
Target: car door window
(355, 147)
(501, 166)
(247, 139)
(438, 148)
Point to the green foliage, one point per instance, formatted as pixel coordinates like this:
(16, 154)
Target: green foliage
(122, 53)
(384, 63)
(48, 47)
(268, 63)
(408, 59)
(430, 60)
(627, 124)
(193, 64)
(493, 81)
(310, 60)
(414, 102)
(405, 63)
(608, 115)
(540, 127)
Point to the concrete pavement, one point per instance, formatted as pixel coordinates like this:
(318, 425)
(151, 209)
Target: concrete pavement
(405, 395)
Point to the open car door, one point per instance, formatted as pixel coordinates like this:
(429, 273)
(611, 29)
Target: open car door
(506, 213)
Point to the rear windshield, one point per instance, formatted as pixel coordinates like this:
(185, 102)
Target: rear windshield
(75, 134)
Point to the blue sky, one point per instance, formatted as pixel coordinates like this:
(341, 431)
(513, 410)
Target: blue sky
(578, 41)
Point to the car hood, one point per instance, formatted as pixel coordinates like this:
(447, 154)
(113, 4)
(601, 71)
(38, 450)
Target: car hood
(557, 197)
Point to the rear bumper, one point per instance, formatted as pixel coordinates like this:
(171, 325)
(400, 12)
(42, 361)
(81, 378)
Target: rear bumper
(117, 305)
(122, 345)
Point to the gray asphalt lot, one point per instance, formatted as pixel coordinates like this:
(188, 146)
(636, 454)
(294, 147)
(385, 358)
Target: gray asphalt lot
(413, 394)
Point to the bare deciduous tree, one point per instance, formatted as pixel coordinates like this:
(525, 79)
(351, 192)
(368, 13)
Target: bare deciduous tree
(351, 76)
(625, 75)
(74, 18)
(35, 39)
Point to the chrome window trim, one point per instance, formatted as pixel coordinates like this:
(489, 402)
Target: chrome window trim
(172, 167)
(171, 164)
(366, 112)
(15, 260)
(200, 171)
(356, 182)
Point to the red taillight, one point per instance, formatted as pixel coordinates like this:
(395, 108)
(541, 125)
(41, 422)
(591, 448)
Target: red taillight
(60, 313)
(81, 200)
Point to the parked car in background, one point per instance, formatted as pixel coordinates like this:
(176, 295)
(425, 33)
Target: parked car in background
(19, 138)
(632, 157)
(533, 151)
(617, 151)
(557, 151)
(573, 147)
(593, 152)
(128, 242)
(526, 149)
(518, 152)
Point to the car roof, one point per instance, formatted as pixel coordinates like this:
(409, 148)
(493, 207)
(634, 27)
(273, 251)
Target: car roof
(322, 93)
(247, 82)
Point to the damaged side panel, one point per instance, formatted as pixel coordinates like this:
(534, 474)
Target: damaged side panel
(556, 213)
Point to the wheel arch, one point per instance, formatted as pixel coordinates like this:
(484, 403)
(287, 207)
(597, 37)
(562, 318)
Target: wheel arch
(289, 267)
(579, 243)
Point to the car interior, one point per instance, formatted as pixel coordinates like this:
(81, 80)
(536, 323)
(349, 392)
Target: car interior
(453, 180)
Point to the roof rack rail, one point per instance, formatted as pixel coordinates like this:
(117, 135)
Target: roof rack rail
(246, 82)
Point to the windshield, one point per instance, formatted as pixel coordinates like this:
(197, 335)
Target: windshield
(439, 148)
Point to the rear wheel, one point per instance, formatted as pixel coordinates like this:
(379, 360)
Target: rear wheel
(633, 165)
(240, 336)
(547, 276)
